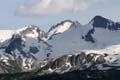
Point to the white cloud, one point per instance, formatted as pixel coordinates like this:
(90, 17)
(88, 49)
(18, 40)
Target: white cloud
(47, 7)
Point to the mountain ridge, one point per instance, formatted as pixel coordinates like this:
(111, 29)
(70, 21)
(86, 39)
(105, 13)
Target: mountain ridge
(31, 44)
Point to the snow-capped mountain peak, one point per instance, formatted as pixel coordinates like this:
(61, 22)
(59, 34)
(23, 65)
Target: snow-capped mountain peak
(23, 44)
(61, 27)
(30, 31)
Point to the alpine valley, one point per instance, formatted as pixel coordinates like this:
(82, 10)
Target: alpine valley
(67, 51)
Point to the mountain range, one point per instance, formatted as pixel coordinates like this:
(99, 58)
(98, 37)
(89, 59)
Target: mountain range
(66, 46)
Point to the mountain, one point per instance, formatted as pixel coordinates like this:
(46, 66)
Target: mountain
(61, 28)
(86, 37)
(23, 47)
(66, 46)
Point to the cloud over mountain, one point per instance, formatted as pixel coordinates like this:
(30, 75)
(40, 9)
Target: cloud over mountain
(48, 7)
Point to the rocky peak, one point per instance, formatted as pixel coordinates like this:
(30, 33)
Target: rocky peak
(101, 22)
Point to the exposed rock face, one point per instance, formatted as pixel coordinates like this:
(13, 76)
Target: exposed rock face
(16, 43)
(88, 36)
(102, 22)
(81, 61)
(59, 62)
(65, 63)
(34, 50)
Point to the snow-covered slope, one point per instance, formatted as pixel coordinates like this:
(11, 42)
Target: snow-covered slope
(30, 44)
(59, 28)
(5, 34)
(99, 33)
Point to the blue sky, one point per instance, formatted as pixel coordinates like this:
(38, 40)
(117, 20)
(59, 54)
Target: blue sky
(11, 16)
